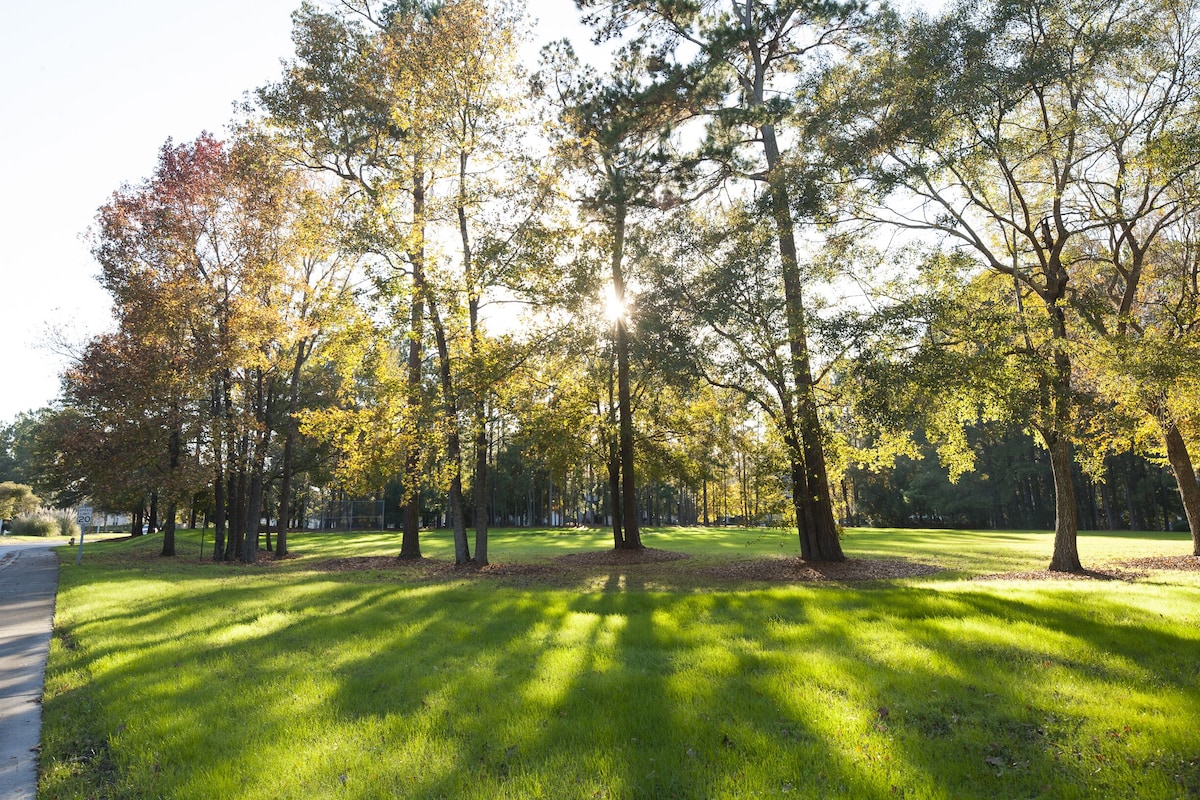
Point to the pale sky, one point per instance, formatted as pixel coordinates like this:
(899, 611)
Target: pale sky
(88, 93)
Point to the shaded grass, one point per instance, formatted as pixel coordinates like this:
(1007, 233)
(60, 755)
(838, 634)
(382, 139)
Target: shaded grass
(186, 679)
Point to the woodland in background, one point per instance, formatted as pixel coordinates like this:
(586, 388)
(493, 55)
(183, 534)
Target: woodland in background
(777, 263)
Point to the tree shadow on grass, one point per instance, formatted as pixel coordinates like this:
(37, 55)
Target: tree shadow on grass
(343, 687)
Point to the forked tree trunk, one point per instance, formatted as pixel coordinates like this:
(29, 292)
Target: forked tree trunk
(1058, 443)
(462, 550)
(168, 548)
(303, 348)
(613, 461)
(254, 502)
(219, 496)
(481, 482)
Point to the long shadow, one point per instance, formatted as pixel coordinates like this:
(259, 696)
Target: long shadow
(487, 690)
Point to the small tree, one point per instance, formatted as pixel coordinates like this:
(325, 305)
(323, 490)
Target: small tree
(17, 498)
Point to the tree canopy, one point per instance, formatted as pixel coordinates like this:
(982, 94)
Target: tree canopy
(793, 263)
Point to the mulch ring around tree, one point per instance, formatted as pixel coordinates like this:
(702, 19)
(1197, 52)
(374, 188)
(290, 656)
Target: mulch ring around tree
(1126, 569)
(1103, 574)
(575, 566)
(797, 570)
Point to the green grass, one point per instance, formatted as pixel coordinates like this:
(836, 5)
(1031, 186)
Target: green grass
(181, 678)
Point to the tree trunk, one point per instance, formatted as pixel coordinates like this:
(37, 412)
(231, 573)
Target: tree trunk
(253, 512)
(139, 520)
(478, 407)
(480, 488)
(254, 502)
(1066, 551)
(614, 491)
(410, 543)
(153, 525)
(629, 506)
(1185, 475)
(168, 548)
(239, 495)
(219, 496)
(822, 532)
(303, 348)
(236, 506)
(173, 448)
(462, 550)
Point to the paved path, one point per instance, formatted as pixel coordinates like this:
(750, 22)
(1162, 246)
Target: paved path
(28, 583)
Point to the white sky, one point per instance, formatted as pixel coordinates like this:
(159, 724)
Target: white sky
(88, 93)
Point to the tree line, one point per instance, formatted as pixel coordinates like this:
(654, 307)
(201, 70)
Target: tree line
(779, 252)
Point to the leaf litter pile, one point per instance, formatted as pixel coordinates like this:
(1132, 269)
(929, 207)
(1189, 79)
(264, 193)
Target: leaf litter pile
(648, 567)
(1128, 569)
(651, 568)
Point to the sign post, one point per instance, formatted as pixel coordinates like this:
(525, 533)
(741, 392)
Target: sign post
(84, 514)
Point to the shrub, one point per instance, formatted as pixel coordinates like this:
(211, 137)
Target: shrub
(68, 523)
(46, 523)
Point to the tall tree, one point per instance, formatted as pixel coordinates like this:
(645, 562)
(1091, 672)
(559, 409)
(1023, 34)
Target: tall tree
(482, 112)
(757, 60)
(355, 103)
(405, 102)
(992, 129)
(616, 134)
(320, 296)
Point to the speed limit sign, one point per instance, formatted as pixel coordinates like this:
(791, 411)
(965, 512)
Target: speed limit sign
(84, 515)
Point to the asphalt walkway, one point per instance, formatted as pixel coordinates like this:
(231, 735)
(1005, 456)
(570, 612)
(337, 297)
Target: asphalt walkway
(28, 583)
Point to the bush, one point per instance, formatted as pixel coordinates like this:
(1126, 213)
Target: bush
(68, 523)
(46, 523)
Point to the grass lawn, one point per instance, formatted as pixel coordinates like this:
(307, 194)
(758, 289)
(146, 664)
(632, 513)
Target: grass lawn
(185, 679)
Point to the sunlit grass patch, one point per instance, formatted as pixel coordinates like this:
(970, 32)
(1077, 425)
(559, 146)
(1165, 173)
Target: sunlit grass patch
(182, 678)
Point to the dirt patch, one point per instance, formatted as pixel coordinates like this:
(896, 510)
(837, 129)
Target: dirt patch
(1103, 574)
(649, 564)
(797, 570)
(1127, 569)
(1180, 563)
(431, 568)
(620, 558)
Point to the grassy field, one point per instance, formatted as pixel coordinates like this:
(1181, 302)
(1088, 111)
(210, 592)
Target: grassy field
(184, 679)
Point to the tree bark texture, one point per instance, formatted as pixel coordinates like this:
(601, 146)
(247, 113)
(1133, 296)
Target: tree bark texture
(814, 502)
(303, 348)
(1185, 475)
(410, 543)
(173, 449)
(462, 550)
(1066, 526)
(632, 539)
